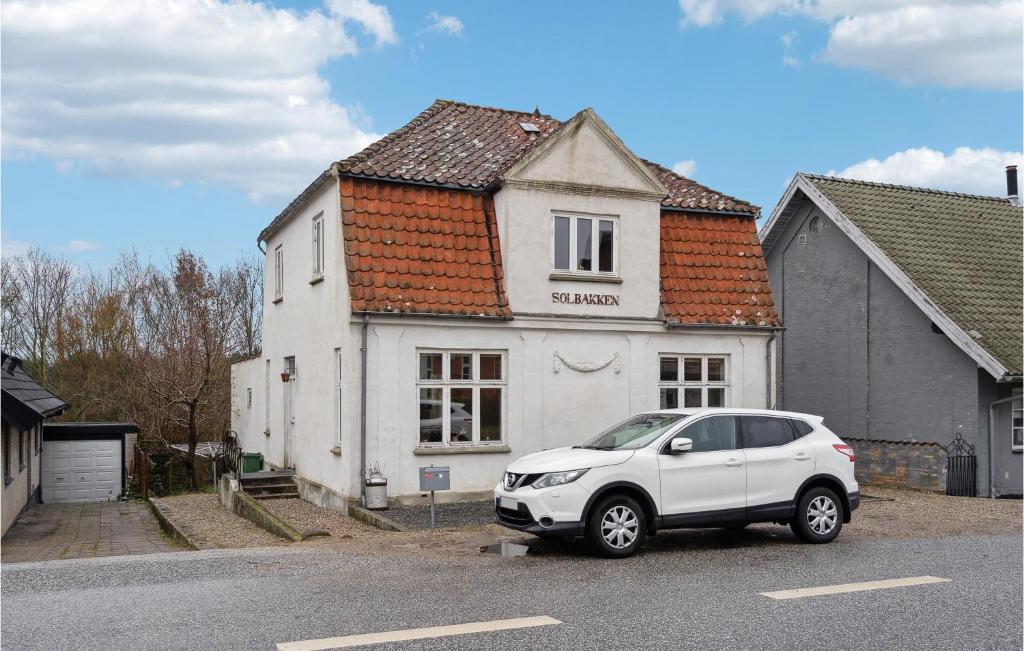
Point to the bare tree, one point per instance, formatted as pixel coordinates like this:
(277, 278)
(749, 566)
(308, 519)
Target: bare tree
(37, 289)
(246, 285)
(183, 345)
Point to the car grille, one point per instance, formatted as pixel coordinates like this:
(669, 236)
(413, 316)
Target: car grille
(512, 481)
(517, 518)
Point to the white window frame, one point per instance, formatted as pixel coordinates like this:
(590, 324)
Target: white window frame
(594, 244)
(446, 384)
(681, 384)
(1016, 408)
(319, 259)
(278, 272)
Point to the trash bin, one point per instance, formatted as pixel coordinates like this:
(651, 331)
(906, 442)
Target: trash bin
(252, 461)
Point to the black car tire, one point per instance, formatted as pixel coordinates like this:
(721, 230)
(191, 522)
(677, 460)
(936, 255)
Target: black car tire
(802, 523)
(606, 512)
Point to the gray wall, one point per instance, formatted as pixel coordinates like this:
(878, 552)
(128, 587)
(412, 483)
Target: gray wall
(857, 351)
(1008, 464)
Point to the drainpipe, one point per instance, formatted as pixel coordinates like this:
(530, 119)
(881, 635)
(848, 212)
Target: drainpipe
(991, 442)
(362, 415)
(768, 371)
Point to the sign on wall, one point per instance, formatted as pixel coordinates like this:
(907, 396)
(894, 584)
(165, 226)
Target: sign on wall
(584, 299)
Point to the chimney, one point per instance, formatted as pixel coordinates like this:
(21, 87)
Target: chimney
(1011, 185)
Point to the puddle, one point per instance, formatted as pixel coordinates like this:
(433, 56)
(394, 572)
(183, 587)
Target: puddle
(505, 549)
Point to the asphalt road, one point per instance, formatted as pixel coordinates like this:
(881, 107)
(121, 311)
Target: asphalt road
(684, 592)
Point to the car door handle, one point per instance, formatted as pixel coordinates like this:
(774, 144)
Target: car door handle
(803, 456)
(733, 462)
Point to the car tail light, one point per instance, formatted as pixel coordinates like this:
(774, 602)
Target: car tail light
(842, 448)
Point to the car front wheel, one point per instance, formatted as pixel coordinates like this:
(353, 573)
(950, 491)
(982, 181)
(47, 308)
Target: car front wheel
(819, 516)
(617, 527)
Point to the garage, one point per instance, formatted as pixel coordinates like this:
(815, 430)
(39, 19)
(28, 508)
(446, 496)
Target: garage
(84, 462)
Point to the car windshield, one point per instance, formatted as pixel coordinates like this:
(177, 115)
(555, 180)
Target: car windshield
(633, 433)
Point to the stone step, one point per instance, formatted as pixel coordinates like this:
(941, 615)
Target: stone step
(267, 483)
(277, 496)
(271, 490)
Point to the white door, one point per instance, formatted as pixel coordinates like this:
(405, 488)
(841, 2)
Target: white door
(81, 471)
(710, 479)
(776, 463)
(289, 422)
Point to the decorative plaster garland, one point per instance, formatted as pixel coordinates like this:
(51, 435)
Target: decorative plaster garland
(587, 367)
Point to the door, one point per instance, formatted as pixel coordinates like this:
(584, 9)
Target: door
(289, 422)
(81, 471)
(709, 482)
(777, 461)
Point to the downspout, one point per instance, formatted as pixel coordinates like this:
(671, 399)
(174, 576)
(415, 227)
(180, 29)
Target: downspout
(991, 442)
(362, 415)
(769, 376)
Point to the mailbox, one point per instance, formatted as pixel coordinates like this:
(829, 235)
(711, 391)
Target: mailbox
(435, 478)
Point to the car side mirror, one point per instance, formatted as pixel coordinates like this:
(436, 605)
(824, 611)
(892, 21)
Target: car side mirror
(680, 445)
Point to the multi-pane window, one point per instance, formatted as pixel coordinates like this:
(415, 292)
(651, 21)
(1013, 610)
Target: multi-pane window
(1017, 426)
(583, 244)
(248, 398)
(461, 397)
(21, 450)
(693, 381)
(7, 451)
(318, 246)
(279, 271)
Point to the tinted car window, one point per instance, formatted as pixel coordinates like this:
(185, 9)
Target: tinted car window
(766, 431)
(802, 428)
(710, 434)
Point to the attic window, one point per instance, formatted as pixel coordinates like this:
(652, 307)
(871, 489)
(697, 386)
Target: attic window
(529, 127)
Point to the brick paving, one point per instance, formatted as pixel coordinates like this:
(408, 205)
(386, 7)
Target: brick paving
(47, 532)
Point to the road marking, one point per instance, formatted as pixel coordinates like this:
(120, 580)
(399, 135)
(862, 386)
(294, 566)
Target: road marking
(853, 587)
(416, 634)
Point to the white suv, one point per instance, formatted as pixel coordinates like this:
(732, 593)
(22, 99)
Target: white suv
(685, 468)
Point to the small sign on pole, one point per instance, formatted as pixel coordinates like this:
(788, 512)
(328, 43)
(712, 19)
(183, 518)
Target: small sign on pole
(434, 478)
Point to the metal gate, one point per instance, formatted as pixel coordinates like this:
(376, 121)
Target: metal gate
(961, 468)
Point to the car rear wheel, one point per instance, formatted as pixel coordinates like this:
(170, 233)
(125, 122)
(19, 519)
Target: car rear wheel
(617, 527)
(819, 516)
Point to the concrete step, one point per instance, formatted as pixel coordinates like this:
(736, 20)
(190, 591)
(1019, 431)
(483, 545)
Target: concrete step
(271, 490)
(276, 496)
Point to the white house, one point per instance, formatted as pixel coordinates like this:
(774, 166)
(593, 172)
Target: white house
(483, 283)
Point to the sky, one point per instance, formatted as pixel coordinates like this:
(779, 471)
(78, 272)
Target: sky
(160, 124)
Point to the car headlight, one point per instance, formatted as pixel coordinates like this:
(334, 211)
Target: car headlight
(558, 478)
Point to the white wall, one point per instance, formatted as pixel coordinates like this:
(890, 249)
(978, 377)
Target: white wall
(25, 480)
(545, 408)
(308, 323)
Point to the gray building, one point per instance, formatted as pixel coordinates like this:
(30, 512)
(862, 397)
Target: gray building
(902, 308)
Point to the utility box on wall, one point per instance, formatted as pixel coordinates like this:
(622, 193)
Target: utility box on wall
(435, 478)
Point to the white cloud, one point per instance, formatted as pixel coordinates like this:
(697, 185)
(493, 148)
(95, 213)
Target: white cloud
(9, 247)
(788, 38)
(202, 91)
(77, 246)
(975, 171)
(450, 25)
(685, 168)
(970, 43)
(790, 61)
(375, 19)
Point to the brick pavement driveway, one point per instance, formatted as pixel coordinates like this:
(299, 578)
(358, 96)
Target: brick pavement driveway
(57, 531)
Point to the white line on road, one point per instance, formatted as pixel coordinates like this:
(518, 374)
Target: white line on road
(416, 634)
(854, 587)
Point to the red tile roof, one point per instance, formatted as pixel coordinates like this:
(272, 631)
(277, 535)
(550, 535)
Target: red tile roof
(424, 250)
(713, 271)
(684, 193)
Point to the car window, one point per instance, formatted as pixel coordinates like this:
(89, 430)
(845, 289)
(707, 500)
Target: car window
(766, 431)
(710, 434)
(633, 433)
(803, 428)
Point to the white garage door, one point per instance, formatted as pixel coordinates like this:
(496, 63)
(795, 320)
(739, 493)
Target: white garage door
(81, 471)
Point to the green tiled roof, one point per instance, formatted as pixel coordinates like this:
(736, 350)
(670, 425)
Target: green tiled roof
(963, 251)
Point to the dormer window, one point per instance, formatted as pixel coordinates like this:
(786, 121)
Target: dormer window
(585, 244)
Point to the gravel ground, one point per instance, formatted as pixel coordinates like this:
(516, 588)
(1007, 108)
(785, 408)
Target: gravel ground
(900, 514)
(915, 514)
(209, 522)
(305, 516)
(451, 516)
